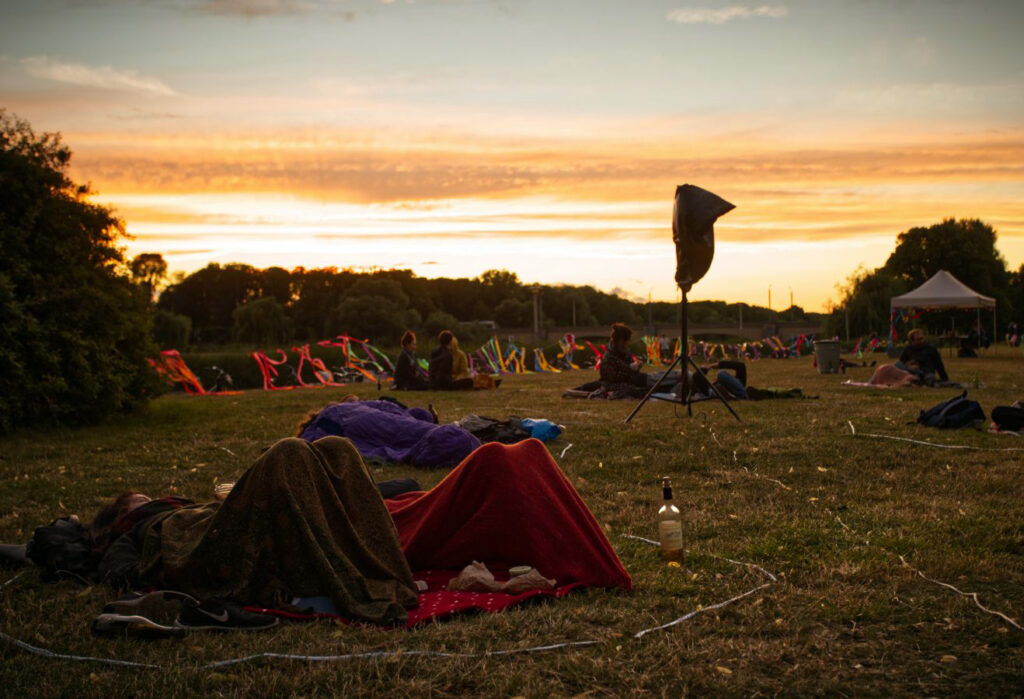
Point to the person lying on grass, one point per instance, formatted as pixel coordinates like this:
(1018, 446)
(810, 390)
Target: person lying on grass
(307, 520)
(731, 383)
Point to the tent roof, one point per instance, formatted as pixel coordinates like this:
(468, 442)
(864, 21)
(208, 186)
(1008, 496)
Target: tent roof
(943, 290)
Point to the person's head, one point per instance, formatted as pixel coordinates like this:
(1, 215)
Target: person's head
(916, 337)
(445, 338)
(409, 340)
(454, 343)
(621, 334)
(99, 528)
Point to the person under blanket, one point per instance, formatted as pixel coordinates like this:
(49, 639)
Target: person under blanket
(387, 430)
(306, 520)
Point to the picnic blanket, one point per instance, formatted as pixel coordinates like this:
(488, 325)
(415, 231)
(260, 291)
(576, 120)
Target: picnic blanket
(382, 429)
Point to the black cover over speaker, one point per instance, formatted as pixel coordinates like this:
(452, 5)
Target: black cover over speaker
(693, 231)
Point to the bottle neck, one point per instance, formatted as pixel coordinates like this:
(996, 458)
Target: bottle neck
(666, 492)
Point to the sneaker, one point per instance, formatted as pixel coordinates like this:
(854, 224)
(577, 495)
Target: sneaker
(212, 615)
(162, 606)
(133, 625)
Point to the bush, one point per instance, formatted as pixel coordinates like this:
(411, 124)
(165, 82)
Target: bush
(76, 331)
(263, 321)
(171, 330)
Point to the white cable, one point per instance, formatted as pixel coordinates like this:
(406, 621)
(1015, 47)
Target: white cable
(701, 610)
(929, 444)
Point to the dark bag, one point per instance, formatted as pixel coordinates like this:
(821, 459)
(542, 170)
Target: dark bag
(953, 413)
(1008, 417)
(62, 549)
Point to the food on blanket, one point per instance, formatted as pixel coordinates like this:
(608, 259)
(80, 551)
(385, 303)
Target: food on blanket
(515, 571)
(474, 578)
(477, 578)
(528, 581)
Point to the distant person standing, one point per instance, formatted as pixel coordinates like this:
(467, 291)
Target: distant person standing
(927, 361)
(407, 377)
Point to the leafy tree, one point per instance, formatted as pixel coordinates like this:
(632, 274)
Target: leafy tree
(209, 297)
(148, 270)
(966, 249)
(171, 330)
(438, 321)
(514, 314)
(263, 322)
(275, 282)
(75, 330)
(374, 308)
(865, 301)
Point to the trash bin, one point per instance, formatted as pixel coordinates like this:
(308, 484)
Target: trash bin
(827, 354)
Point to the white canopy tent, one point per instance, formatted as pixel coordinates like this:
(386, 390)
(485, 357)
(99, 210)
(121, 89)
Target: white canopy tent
(944, 290)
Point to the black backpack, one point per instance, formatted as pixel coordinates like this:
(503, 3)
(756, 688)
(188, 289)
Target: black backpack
(62, 549)
(953, 413)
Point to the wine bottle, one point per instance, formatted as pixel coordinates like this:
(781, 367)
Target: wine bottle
(670, 525)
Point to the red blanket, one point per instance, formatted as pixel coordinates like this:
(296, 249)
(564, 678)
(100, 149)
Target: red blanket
(507, 506)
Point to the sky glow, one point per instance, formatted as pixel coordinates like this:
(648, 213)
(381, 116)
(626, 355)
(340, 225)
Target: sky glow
(547, 138)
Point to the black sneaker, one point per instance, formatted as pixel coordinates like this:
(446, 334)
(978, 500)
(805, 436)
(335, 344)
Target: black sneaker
(213, 615)
(162, 606)
(133, 625)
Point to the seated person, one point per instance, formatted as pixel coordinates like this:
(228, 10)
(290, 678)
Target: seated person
(619, 373)
(928, 361)
(407, 376)
(460, 362)
(442, 361)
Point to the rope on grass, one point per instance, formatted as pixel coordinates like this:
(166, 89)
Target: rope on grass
(13, 579)
(717, 605)
(567, 448)
(387, 654)
(46, 653)
(854, 432)
(972, 595)
(701, 610)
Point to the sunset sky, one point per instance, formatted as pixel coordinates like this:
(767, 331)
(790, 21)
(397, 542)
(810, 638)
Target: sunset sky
(541, 136)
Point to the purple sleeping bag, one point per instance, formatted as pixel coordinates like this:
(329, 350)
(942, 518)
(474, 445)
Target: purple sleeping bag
(380, 429)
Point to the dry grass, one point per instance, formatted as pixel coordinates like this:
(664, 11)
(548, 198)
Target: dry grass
(789, 489)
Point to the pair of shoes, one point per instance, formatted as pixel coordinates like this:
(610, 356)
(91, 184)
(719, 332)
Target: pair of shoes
(133, 625)
(162, 606)
(214, 615)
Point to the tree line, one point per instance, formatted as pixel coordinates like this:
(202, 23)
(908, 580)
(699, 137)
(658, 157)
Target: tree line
(965, 248)
(239, 303)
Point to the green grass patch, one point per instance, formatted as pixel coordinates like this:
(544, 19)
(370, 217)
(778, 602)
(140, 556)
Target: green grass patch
(788, 489)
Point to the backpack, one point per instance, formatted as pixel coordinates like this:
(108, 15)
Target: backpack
(62, 549)
(953, 413)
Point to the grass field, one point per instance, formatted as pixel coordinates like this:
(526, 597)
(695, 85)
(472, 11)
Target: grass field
(789, 488)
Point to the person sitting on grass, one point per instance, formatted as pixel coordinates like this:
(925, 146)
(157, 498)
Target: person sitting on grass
(922, 360)
(407, 376)
(442, 362)
(619, 373)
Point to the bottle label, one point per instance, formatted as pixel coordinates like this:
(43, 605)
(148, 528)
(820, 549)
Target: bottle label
(671, 534)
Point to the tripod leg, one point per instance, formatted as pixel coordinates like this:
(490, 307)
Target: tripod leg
(652, 389)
